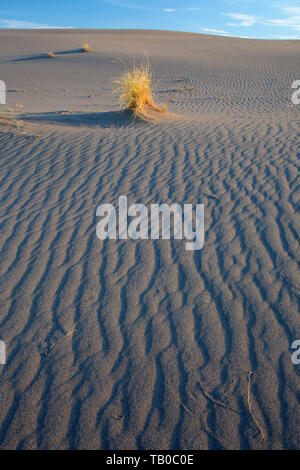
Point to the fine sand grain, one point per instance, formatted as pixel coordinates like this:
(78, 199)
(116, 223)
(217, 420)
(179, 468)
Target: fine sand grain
(142, 344)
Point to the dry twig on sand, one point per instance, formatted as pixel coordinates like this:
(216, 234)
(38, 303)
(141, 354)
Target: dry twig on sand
(250, 406)
(59, 340)
(187, 409)
(217, 402)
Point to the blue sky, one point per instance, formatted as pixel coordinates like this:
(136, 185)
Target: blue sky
(264, 19)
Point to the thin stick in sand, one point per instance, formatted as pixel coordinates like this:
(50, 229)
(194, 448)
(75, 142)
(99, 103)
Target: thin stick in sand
(58, 341)
(250, 406)
(187, 409)
(217, 402)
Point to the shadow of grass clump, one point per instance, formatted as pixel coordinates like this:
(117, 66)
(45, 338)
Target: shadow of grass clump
(107, 119)
(54, 54)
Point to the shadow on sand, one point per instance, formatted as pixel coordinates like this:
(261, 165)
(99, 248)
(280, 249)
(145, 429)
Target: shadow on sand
(107, 119)
(45, 56)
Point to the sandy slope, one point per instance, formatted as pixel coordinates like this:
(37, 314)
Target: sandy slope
(124, 344)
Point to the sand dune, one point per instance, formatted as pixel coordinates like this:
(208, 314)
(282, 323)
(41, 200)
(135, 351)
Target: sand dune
(142, 344)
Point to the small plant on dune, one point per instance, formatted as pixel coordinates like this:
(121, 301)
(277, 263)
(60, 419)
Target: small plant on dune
(135, 91)
(50, 55)
(86, 48)
(7, 121)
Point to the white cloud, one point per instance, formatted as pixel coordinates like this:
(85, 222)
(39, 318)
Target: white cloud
(171, 10)
(279, 36)
(291, 22)
(292, 10)
(290, 18)
(16, 24)
(134, 6)
(130, 5)
(244, 20)
(216, 31)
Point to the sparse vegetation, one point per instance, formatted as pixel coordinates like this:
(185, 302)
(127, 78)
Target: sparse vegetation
(135, 91)
(7, 121)
(86, 48)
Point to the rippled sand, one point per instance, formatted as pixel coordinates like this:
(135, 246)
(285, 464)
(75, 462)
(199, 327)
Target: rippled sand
(142, 344)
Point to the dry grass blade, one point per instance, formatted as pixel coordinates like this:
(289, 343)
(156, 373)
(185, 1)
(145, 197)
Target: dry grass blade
(250, 406)
(212, 399)
(187, 408)
(59, 340)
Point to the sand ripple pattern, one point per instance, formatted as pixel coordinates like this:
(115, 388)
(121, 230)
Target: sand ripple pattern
(123, 344)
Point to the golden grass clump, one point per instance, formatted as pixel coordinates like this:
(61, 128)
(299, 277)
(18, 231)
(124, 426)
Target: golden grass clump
(7, 121)
(86, 48)
(135, 91)
(50, 55)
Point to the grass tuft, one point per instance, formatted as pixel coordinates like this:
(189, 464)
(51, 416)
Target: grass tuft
(86, 48)
(7, 121)
(135, 91)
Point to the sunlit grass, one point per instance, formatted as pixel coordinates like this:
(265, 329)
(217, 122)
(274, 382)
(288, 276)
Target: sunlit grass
(134, 88)
(86, 48)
